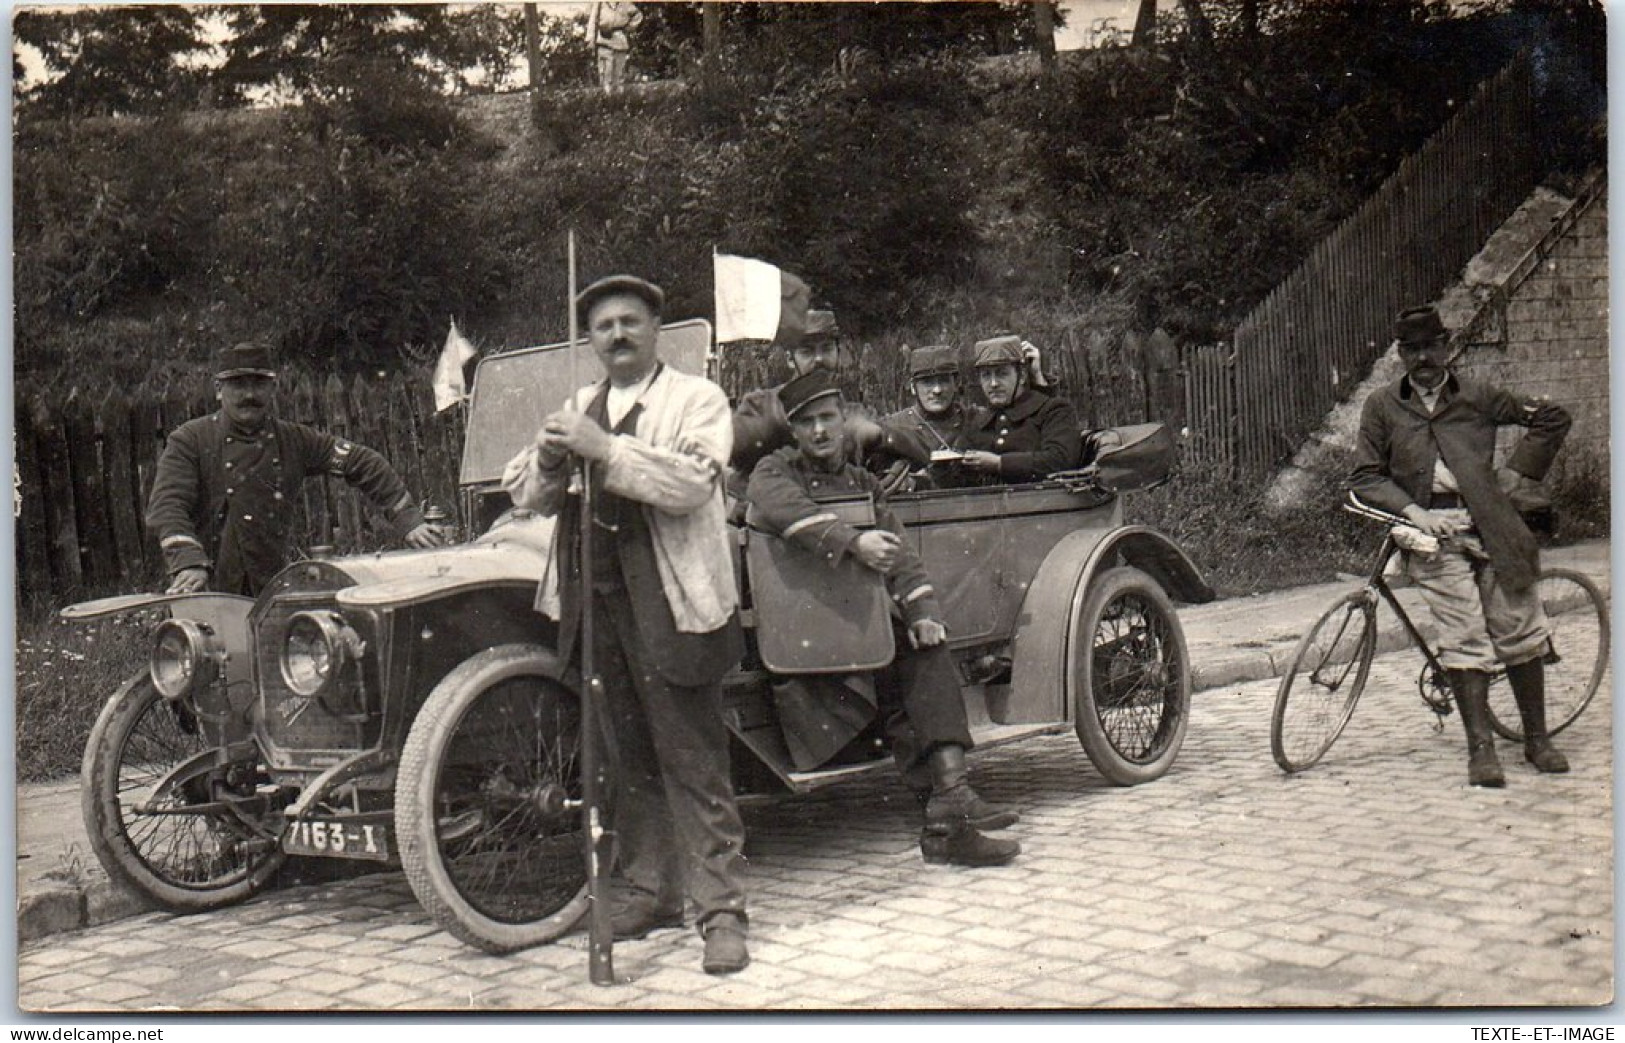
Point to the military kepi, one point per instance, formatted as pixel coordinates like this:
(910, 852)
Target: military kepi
(805, 389)
(243, 360)
(1418, 326)
(934, 360)
(643, 289)
(997, 351)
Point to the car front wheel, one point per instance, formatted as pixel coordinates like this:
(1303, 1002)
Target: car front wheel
(486, 801)
(164, 818)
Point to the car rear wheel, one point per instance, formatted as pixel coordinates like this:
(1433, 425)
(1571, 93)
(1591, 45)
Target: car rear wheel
(1130, 677)
(486, 801)
(136, 813)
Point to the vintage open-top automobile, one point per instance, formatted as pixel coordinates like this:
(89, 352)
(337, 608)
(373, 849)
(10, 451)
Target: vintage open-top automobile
(408, 708)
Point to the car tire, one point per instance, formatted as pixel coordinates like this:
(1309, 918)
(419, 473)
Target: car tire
(1129, 674)
(488, 841)
(180, 862)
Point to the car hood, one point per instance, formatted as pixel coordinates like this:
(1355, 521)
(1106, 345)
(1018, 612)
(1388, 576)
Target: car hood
(515, 551)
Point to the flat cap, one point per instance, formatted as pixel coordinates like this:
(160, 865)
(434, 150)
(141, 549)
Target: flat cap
(811, 386)
(933, 360)
(647, 291)
(997, 351)
(1419, 326)
(244, 360)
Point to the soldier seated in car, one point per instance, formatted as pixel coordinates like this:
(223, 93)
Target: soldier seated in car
(937, 416)
(1022, 435)
(918, 691)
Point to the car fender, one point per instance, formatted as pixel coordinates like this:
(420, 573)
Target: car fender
(1038, 689)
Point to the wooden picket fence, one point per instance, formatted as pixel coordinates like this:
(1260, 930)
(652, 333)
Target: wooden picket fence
(85, 467)
(1252, 402)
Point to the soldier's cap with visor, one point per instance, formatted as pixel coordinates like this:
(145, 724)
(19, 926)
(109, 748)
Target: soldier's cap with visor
(821, 327)
(609, 286)
(933, 360)
(997, 351)
(244, 360)
(806, 389)
(1419, 327)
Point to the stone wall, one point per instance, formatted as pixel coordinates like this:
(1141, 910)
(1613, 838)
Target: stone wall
(1555, 342)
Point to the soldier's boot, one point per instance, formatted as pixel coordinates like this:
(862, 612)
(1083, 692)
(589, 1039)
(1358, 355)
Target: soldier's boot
(952, 794)
(1472, 688)
(949, 836)
(1528, 682)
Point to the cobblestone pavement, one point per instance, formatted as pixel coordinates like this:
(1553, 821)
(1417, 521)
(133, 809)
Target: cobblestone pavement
(1377, 878)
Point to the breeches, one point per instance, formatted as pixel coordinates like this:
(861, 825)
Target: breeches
(1480, 621)
(674, 812)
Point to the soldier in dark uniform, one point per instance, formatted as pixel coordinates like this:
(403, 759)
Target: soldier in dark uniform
(760, 426)
(1022, 435)
(919, 690)
(937, 416)
(223, 493)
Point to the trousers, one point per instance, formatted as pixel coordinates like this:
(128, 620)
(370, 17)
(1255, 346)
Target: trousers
(673, 809)
(921, 706)
(1480, 621)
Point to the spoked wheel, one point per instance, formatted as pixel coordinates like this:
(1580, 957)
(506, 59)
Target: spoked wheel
(137, 813)
(490, 833)
(1130, 677)
(1575, 660)
(1324, 681)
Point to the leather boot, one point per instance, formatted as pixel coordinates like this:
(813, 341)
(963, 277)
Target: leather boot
(1472, 688)
(953, 800)
(949, 836)
(1528, 681)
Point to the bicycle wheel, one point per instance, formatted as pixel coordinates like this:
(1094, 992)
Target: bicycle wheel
(1323, 682)
(1577, 615)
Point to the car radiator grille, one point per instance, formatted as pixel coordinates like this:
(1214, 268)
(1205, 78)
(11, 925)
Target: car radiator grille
(313, 733)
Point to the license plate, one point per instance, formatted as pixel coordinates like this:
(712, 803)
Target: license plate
(337, 838)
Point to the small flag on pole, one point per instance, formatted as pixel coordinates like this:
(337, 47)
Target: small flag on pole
(758, 301)
(450, 382)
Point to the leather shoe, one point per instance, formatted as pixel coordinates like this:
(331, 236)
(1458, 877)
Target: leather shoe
(966, 847)
(725, 951)
(635, 917)
(948, 809)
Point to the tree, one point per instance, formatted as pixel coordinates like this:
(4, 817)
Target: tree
(322, 50)
(1145, 24)
(1044, 32)
(113, 61)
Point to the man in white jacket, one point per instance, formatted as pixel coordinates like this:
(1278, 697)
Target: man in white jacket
(666, 626)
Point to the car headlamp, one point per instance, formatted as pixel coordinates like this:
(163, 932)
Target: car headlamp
(186, 657)
(319, 647)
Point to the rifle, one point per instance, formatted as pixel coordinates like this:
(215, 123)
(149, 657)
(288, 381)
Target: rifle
(600, 842)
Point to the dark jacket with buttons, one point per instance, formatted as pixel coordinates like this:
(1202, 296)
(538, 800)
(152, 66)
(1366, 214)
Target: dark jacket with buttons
(784, 491)
(1399, 441)
(760, 427)
(223, 499)
(1035, 436)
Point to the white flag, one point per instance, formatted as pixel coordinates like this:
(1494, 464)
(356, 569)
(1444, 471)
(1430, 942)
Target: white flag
(748, 297)
(449, 388)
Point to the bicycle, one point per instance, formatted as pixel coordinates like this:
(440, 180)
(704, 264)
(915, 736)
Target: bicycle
(1329, 668)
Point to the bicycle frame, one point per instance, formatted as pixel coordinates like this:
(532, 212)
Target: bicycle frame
(1378, 582)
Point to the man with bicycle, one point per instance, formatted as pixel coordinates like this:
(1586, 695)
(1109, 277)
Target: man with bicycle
(1426, 451)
